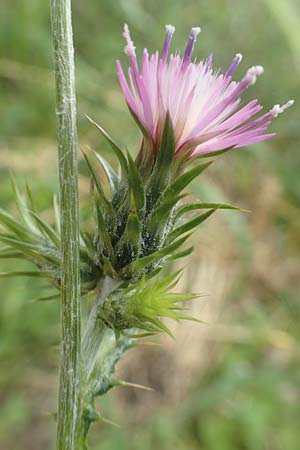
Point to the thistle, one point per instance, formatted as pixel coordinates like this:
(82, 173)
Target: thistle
(186, 112)
(203, 105)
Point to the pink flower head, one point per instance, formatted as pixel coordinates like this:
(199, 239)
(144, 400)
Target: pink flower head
(204, 105)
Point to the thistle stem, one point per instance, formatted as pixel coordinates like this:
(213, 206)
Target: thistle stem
(69, 401)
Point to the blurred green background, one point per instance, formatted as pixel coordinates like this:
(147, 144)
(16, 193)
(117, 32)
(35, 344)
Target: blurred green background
(234, 382)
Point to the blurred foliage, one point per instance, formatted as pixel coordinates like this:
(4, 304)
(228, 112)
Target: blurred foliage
(248, 398)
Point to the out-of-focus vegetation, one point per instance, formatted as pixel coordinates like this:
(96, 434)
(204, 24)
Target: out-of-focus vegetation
(232, 384)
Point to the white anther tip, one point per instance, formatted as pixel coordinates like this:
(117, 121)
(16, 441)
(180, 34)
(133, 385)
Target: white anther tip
(170, 29)
(277, 109)
(253, 73)
(256, 70)
(238, 57)
(289, 103)
(129, 49)
(195, 31)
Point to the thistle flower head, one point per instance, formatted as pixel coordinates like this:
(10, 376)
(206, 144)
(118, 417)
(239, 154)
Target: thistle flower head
(204, 105)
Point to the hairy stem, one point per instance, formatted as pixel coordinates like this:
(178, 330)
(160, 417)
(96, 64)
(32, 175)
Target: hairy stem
(69, 401)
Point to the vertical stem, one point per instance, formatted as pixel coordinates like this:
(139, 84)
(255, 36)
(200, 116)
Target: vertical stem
(69, 402)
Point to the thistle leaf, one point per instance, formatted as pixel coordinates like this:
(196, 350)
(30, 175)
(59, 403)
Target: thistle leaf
(190, 225)
(88, 241)
(136, 185)
(128, 247)
(182, 254)
(7, 252)
(105, 204)
(56, 214)
(123, 383)
(194, 206)
(22, 206)
(111, 175)
(33, 251)
(133, 227)
(30, 201)
(33, 274)
(140, 264)
(165, 157)
(184, 180)
(45, 299)
(46, 229)
(211, 154)
(160, 326)
(117, 150)
(7, 221)
(108, 268)
(161, 213)
(100, 221)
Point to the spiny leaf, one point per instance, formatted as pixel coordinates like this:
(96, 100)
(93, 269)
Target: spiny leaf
(184, 180)
(168, 282)
(165, 157)
(112, 177)
(146, 158)
(114, 146)
(128, 247)
(45, 299)
(143, 262)
(13, 226)
(101, 227)
(211, 154)
(46, 229)
(88, 241)
(182, 254)
(105, 204)
(189, 225)
(33, 274)
(132, 234)
(100, 418)
(132, 385)
(160, 326)
(36, 252)
(161, 213)
(136, 184)
(133, 229)
(194, 206)
(30, 201)
(22, 206)
(108, 268)
(56, 214)
(137, 335)
(7, 252)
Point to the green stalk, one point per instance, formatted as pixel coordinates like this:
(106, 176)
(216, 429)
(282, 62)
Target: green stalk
(69, 399)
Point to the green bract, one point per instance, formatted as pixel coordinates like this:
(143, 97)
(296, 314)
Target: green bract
(138, 227)
(141, 224)
(142, 305)
(29, 237)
